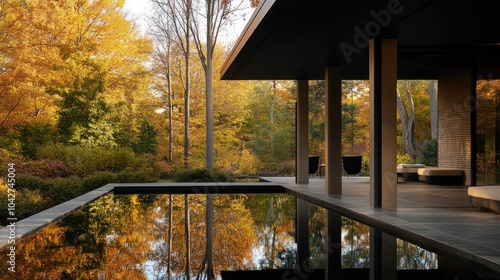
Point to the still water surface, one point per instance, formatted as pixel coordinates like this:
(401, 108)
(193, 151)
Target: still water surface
(145, 237)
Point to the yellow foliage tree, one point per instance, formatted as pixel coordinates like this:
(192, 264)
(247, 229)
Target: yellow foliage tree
(48, 45)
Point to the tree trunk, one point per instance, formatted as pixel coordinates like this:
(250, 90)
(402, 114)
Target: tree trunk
(10, 112)
(217, 15)
(169, 105)
(433, 108)
(186, 97)
(272, 108)
(208, 87)
(407, 117)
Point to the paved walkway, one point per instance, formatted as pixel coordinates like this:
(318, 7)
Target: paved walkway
(438, 218)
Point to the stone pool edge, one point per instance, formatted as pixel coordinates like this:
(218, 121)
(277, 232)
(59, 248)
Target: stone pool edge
(32, 224)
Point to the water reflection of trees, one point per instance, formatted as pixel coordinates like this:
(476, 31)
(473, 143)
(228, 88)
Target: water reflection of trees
(143, 237)
(108, 238)
(356, 245)
(234, 234)
(411, 256)
(274, 218)
(317, 236)
(127, 237)
(355, 241)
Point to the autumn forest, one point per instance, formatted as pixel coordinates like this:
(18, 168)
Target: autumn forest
(80, 73)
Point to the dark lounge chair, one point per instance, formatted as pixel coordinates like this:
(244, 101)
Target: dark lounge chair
(313, 164)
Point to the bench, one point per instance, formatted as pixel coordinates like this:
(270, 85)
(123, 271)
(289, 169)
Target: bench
(409, 172)
(485, 198)
(441, 175)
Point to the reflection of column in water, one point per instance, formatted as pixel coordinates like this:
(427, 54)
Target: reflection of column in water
(333, 245)
(383, 255)
(302, 229)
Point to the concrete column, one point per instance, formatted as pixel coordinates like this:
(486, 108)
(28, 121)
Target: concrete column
(383, 256)
(383, 129)
(333, 245)
(302, 231)
(302, 130)
(333, 130)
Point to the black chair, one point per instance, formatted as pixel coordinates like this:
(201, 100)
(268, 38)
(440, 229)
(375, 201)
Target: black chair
(313, 164)
(352, 164)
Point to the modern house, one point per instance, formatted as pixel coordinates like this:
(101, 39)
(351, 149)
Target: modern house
(456, 43)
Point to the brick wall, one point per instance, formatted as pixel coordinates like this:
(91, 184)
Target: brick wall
(454, 119)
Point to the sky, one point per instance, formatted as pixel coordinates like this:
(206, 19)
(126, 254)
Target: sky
(139, 10)
(136, 5)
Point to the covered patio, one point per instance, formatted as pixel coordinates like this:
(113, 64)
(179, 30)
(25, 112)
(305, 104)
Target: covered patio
(438, 218)
(383, 41)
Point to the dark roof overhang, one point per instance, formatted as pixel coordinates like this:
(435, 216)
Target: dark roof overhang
(297, 39)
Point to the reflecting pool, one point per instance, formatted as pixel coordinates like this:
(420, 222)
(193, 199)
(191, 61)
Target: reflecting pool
(158, 237)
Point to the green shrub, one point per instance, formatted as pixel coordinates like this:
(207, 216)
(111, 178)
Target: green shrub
(220, 176)
(143, 175)
(202, 175)
(24, 181)
(287, 168)
(365, 166)
(5, 159)
(118, 159)
(430, 153)
(98, 180)
(87, 161)
(404, 159)
(150, 161)
(33, 136)
(64, 189)
(9, 140)
(165, 169)
(45, 168)
(28, 202)
(146, 142)
(53, 151)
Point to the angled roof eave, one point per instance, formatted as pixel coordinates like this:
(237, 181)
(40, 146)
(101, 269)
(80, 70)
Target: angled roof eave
(266, 15)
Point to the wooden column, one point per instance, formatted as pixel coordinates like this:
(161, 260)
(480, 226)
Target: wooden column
(302, 130)
(383, 126)
(333, 130)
